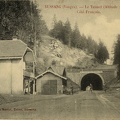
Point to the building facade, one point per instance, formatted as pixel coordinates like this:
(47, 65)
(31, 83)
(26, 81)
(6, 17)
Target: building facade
(51, 81)
(14, 56)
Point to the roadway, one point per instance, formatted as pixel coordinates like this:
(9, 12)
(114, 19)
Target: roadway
(81, 106)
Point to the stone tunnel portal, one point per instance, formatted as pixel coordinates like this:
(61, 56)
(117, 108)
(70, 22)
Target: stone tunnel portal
(93, 79)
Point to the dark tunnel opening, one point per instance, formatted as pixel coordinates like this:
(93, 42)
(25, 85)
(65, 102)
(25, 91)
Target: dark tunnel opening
(93, 79)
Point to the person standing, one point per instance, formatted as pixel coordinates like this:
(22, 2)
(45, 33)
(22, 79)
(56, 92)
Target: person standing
(71, 89)
(105, 87)
(91, 87)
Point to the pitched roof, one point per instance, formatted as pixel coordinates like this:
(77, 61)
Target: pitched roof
(57, 69)
(12, 49)
(49, 71)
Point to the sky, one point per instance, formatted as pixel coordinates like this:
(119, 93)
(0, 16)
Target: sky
(99, 19)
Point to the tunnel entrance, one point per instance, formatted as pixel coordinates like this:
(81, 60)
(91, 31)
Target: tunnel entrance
(93, 79)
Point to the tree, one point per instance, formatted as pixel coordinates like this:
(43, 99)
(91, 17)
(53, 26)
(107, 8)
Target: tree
(117, 51)
(117, 54)
(57, 31)
(91, 45)
(72, 38)
(52, 32)
(75, 37)
(21, 19)
(84, 42)
(102, 53)
(61, 31)
(67, 33)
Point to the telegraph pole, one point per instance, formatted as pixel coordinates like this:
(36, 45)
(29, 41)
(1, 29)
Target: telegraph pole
(33, 27)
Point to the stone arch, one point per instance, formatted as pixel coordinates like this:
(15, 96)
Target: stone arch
(94, 78)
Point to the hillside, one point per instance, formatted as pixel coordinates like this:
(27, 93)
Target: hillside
(52, 51)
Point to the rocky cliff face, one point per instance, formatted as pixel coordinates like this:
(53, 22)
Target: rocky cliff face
(52, 51)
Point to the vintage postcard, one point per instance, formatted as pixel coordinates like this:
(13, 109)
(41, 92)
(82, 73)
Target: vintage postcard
(59, 59)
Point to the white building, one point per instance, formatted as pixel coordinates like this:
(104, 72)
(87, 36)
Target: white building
(14, 57)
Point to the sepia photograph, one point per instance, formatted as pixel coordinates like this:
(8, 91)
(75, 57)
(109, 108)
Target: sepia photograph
(59, 59)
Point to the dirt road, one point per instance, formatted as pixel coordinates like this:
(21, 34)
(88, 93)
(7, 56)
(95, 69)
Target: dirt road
(82, 106)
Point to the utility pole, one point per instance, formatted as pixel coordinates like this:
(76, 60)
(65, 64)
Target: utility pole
(33, 27)
(34, 21)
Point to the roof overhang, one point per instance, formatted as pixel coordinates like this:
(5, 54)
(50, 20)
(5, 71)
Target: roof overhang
(9, 58)
(48, 71)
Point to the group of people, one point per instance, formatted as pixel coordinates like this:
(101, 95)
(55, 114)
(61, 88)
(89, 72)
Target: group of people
(68, 90)
(89, 87)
